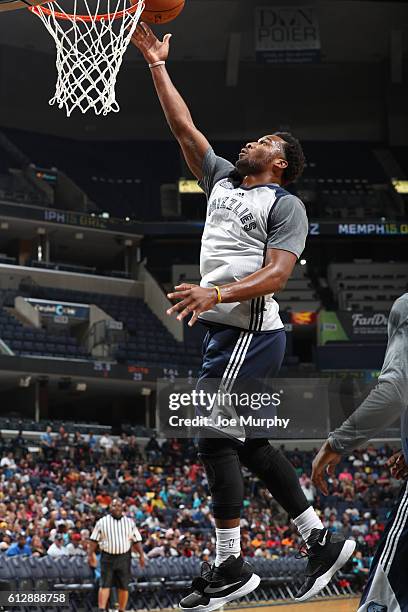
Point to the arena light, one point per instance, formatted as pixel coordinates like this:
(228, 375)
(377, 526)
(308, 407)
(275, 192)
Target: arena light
(189, 186)
(400, 186)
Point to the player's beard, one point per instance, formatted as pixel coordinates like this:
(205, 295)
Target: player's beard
(246, 166)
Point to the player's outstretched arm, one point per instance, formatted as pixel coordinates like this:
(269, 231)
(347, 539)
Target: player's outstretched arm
(192, 141)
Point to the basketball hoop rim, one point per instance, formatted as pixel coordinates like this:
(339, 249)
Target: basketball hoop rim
(41, 8)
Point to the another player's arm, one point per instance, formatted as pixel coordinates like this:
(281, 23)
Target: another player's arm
(193, 143)
(381, 408)
(272, 278)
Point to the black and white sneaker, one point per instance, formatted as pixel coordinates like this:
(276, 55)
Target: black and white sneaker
(217, 586)
(326, 555)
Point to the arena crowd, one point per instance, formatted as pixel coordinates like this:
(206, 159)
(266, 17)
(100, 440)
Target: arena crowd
(51, 499)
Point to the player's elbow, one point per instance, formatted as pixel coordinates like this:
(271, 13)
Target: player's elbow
(279, 282)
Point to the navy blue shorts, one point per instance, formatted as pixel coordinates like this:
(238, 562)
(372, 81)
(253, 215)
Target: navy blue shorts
(387, 586)
(233, 354)
(239, 362)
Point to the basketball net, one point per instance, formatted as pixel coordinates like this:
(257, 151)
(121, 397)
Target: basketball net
(90, 48)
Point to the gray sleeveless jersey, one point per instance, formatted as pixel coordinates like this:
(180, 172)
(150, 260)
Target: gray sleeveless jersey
(241, 224)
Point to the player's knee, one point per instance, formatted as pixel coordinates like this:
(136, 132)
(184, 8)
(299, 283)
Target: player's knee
(222, 466)
(259, 456)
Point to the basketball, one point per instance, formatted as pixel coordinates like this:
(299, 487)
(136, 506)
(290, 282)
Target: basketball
(162, 11)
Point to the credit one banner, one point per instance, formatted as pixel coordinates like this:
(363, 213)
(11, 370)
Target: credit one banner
(49, 308)
(287, 34)
(343, 326)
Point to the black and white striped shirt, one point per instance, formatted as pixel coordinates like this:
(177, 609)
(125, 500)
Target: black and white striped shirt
(115, 536)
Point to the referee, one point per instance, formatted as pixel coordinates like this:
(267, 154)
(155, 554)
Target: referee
(116, 535)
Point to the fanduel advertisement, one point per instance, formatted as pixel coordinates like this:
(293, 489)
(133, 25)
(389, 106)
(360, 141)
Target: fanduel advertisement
(352, 326)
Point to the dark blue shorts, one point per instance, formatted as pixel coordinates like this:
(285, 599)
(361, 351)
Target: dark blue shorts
(232, 354)
(387, 586)
(238, 364)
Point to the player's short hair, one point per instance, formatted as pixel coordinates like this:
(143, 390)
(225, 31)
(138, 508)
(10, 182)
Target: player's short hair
(294, 156)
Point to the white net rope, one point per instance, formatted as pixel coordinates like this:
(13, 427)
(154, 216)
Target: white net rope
(89, 51)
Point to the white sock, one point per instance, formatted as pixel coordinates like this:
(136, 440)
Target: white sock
(228, 543)
(307, 521)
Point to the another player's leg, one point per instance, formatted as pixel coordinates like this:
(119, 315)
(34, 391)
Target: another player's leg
(387, 587)
(326, 553)
(230, 577)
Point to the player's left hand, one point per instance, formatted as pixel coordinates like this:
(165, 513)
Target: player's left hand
(193, 299)
(398, 466)
(325, 461)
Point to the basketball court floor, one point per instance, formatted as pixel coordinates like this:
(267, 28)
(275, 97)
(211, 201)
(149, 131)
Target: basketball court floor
(333, 604)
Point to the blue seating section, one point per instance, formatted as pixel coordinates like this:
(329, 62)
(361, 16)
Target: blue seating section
(29, 341)
(148, 341)
(15, 423)
(65, 574)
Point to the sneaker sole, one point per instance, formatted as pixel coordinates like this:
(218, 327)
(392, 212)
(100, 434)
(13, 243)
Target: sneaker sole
(324, 579)
(218, 602)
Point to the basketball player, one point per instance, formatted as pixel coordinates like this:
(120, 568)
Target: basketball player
(254, 233)
(387, 588)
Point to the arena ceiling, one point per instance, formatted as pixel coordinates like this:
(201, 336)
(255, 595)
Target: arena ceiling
(351, 30)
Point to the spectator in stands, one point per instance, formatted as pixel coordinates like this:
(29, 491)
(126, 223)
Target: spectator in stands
(19, 444)
(92, 441)
(107, 445)
(309, 491)
(131, 451)
(345, 475)
(104, 499)
(152, 449)
(20, 547)
(78, 448)
(104, 479)
(359, 571)
(37, 547)
(63, 440)
(48, 444)
(8, 462)
(57, 548)
(5, 542)
(75, 547)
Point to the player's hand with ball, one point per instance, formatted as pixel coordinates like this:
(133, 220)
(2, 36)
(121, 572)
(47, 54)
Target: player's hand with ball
(193, 300)
(152, 49)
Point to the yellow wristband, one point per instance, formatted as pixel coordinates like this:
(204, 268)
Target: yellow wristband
(218, 294)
